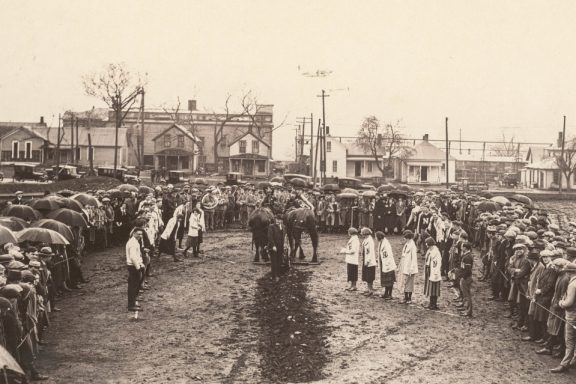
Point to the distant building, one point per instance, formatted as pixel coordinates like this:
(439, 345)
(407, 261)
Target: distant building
(542, 171)
(426, 165)
(486, 169)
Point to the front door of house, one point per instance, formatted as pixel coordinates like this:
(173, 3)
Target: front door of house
(358, 169)
(248, 168)
(424, 174)
(172, 163)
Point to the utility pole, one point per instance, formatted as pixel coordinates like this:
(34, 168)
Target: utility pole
(311, 142)
(72, 139)
(58, 146)
(77, 149)
(562, 161)
(117, 111)
(142, 130)
(448, 155)
(316, 154)
(296, 144)
(323, 138)
(460, 140)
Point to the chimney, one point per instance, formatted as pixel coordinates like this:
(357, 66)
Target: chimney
(559, 140)
(425, 138)
(191, 105)
(41, 119)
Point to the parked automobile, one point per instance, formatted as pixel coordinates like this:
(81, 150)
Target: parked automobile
(178, 176)
(234, 178)
(29, 172)
(66, 172)
(290, 176)
(124, 175)
(509, 180)
(349, 182)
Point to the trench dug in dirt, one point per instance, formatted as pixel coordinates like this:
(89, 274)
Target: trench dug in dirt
(293, 331)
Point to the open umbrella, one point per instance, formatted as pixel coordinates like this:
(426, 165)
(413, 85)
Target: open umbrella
(404, 187)
(46, 204)
(277, 179)
(115, 193)
(66, 193)
(485, 194)
(501, 200)
(72, 204)
(350, 190)
(523, 199)
(68, 217)
(86, 199)
(263, 185)
(144, 189)
(24, 212)
(330, 188)
(419, 194)
(10, 371)
(200, 181)
(41, 235)
(13, 223)
(54, 225)
(385, 188)
(298, 182)
(7, 236)
(398, 194)
(128, 187)
(488, 206)
(369, 194)
(346, 196)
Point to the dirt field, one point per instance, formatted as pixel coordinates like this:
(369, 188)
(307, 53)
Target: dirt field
(220, 319)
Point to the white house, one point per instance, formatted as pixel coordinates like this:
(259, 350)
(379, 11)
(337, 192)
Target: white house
(361, 164)
(542, 171)
(249, 155)
(426, 165)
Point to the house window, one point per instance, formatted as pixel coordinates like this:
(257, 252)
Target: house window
(167, 141)
(369, 166)
(255, 146)
(261, 166)
(334, 165)
(15, 149)
(556, 177)
(181, 142)
(328, 146)
(90, 153)
(36, 156)
(201, 160)
(148, 159)
(6, 155)
(28, 146)
(242, 144)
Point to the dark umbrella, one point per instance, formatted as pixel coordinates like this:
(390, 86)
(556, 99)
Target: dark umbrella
(86, 199)
(7, 236)
(128, 187)
(385, 188)
(66, 193)
(24, 212)
(500, 200)
(485, 194)
(68, 217)
(523, 199)
(277, 179)
(263, 185)
(41, 235)
(200, 180)
(488, 206)
(398, 194)
(115, 193)
(330, 187)
(144, 189)
(405, 187)
(13, 223)
(347, 195)
(72, 204)
(352, 190)
(46, 204)
(54, 225)
(298, 182)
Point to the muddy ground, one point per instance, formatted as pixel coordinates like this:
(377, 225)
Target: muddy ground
(219, 319)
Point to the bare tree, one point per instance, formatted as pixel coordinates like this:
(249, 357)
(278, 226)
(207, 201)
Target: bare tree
(382, 143)
(508, 148)
(115, 87)
(567, 162)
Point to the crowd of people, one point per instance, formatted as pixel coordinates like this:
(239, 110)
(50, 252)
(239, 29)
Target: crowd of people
(528, 261)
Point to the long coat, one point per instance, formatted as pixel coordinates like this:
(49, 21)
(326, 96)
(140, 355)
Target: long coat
(386, 257)
(409, 261)
(545, 284)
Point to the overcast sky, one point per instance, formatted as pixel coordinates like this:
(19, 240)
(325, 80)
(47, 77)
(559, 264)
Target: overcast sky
(492, 67)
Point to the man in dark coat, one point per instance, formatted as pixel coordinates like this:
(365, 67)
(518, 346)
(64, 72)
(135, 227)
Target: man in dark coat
(379, 211)
(18, 199)
(276, 246)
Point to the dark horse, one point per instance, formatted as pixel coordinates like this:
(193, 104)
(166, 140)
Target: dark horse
(297, 221)
(258, 223)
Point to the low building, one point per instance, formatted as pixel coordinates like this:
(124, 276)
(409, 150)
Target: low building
(475, 167)
(176, 148)
(249, 155)
(426, 165)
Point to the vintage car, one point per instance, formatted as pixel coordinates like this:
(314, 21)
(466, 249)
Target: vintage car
(234, 178)
(178, 176)
(125, 175)
(29, 172)
(66, 172)
(289, 176)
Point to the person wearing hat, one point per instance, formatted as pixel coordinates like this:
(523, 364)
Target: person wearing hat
(352, 252)
(568, 303)
(387, 266)
(136, 267)
(466, 266)
(535, 331)
(193, 234)
(276, 236)
(408, 266)
(487, 252)
(519, 269)
(18, 199)
(432, 273)
(369, 260)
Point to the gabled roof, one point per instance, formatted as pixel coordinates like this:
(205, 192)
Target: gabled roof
(27, 130)
(546, 163)
(251, 134)
(182, 129)
(426, 151)
(100, 136)
(536, 153)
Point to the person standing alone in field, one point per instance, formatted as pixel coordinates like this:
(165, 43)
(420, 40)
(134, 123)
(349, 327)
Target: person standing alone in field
(135, 268)
(276, 246)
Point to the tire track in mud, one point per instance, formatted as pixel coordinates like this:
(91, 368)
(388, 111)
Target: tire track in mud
(292, 329)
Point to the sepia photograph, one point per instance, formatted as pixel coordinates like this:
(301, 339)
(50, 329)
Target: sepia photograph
(252, 191)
